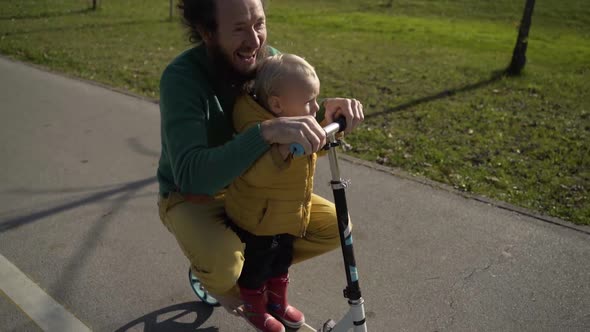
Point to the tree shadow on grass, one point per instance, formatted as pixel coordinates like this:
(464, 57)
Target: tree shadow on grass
(496, 76)
(46, 15)
(176, 318)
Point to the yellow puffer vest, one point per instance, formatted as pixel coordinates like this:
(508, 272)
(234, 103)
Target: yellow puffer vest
(274, 195)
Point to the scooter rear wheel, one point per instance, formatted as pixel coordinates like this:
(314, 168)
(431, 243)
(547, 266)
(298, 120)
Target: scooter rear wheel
(200, 291)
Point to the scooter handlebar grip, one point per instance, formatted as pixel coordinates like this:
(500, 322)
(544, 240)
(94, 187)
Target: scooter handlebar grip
(296, 149)
(335, 127)
(342, 123)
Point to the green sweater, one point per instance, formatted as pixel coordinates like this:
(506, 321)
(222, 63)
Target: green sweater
(201, 154)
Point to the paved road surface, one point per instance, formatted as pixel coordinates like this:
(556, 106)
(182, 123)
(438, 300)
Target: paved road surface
(78, 218)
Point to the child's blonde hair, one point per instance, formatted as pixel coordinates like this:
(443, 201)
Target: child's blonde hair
(275, 70)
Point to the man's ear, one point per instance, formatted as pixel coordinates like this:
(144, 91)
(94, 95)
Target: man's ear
(274, 103)
(206, 35)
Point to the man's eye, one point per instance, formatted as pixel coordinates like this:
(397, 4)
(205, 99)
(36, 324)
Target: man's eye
(259, 26)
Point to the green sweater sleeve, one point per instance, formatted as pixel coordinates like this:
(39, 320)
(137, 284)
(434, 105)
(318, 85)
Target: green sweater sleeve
(196, 167)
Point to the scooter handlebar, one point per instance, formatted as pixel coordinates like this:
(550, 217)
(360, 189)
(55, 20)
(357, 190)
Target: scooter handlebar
(334, 127)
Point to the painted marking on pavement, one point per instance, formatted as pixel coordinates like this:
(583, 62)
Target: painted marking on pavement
(40, 307)
(305, 328)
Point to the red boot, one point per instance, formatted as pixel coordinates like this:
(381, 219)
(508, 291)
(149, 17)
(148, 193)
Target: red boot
(278, 305)
(255, 311)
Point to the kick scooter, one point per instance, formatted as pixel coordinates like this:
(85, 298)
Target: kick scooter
(354, 320)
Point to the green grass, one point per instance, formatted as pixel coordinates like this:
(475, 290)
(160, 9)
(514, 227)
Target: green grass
(421, 67)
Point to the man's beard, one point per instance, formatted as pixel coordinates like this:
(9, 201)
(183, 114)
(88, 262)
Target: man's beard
(224, 67)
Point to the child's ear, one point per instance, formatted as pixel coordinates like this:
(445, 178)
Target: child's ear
(274, 102)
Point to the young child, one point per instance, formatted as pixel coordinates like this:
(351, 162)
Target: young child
(270, 203)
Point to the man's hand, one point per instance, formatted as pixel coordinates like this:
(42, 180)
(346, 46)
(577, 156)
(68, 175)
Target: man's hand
(351, 109)
(304, 130)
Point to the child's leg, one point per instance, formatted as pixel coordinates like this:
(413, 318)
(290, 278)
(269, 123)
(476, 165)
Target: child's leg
(284, 256)
(277, 285)
(259, 254)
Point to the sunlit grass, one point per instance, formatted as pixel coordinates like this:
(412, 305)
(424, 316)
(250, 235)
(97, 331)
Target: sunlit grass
(421, 67)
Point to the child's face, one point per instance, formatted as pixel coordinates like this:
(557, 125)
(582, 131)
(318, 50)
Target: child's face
(299, 99)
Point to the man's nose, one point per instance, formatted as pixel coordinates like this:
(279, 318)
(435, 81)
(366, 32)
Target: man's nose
(252, 39)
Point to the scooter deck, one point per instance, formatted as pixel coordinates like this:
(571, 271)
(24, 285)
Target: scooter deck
(304, 328)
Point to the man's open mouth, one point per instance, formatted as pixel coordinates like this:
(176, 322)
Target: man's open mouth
(249, 56)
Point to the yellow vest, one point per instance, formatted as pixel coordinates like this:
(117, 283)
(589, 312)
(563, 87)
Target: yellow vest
(274, 195)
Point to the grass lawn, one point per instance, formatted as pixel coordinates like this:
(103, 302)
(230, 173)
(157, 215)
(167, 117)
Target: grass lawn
(424, 70)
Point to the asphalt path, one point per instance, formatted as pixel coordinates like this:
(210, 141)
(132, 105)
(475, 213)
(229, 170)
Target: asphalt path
(78, 218)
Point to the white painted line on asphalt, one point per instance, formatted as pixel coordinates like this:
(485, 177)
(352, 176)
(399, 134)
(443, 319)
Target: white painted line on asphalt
(306, 328)
(40, 307)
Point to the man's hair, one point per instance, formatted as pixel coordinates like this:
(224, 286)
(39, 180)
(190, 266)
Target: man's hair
(200, 14)
(275, 70)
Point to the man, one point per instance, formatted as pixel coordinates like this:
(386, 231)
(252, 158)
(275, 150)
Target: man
(200, 153)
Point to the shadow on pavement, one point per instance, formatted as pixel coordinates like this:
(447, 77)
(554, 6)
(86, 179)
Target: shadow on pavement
(71, 272)
(18, 221)
(176, 318)
(135, 145)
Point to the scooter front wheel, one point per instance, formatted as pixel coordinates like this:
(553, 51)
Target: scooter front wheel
(200, 291)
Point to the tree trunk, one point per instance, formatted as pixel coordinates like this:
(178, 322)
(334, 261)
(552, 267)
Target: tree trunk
(519, 54)
(171, 9)
(94, 4)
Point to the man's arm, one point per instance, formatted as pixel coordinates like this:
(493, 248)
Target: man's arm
(197, 168)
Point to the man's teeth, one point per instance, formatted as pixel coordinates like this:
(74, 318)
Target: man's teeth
(246, 56)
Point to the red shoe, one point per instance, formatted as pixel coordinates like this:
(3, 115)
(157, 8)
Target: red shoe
(255, 311)
(278, 305)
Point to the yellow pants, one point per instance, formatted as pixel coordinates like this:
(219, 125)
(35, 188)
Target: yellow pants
(216, 253)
